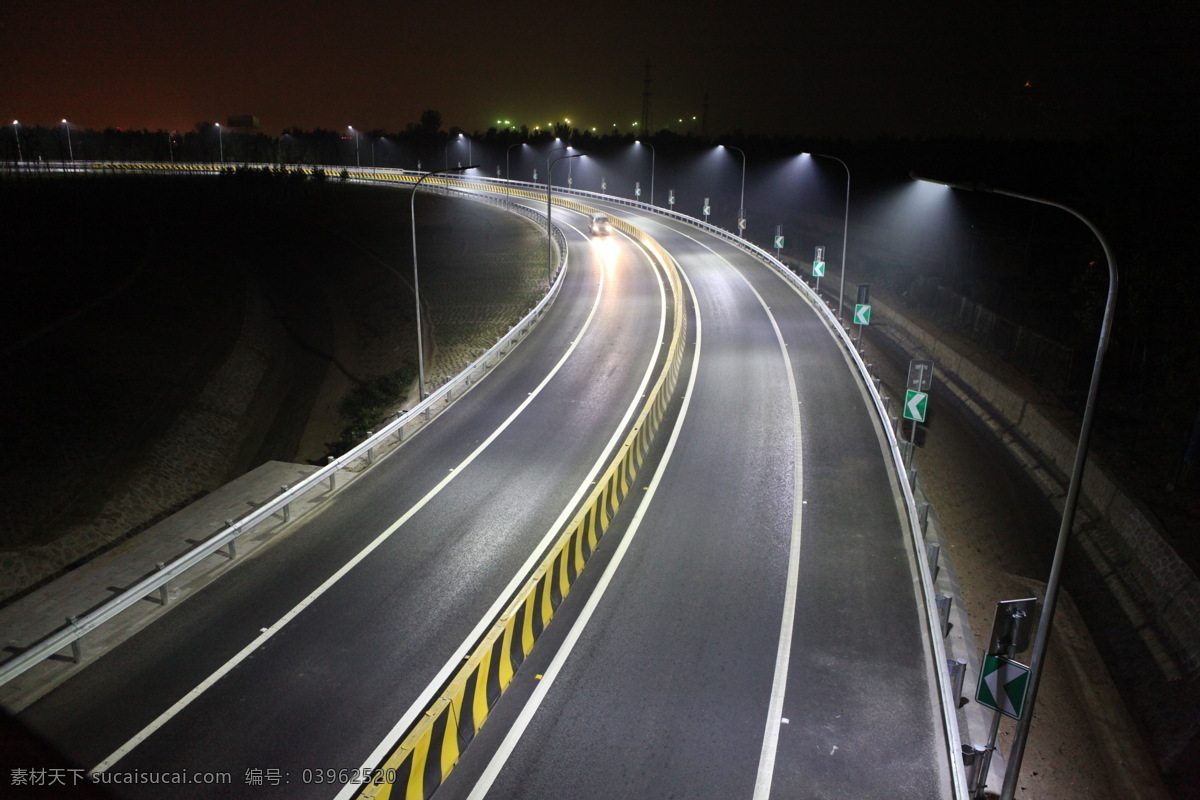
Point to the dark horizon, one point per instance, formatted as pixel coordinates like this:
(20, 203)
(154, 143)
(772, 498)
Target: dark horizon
(1074, 71)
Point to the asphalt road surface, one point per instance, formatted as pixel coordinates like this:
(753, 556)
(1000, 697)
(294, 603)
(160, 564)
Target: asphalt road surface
(255, 676)
(692, 671)
(751, 628)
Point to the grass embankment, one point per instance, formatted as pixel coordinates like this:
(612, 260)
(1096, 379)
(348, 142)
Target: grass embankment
(126, 296)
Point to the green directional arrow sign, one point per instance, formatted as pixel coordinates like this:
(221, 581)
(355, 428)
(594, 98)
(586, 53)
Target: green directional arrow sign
(862, 314)
(1003, 685)
(818, 269)
(915, 404)
(778, 242)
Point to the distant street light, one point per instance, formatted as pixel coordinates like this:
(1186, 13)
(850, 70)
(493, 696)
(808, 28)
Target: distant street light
(17, 136)
(1037, 660)
(638, 141)
(357, 160)
(742, 202)
(220, 142)
(416, 284)
(549, 188)
(845, 230)
(70, 149)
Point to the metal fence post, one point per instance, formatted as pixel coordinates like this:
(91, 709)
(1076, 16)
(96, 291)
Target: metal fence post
(162, 590)
(287, 507)
(76, 645)
(232, 542)
(943, 606)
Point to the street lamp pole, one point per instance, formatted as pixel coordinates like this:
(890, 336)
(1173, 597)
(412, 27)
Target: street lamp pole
(651, 168)
(357, 159)
(742, 202)
(1037, 659)
(416, 284)
(845, 231)
(17, 136)
(550, 162)
(220, 142)
(70, 149)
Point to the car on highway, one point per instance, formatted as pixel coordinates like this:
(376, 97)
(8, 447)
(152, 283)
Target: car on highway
(599, 225)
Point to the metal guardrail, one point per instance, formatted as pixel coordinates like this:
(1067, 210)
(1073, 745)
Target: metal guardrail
(226, 539)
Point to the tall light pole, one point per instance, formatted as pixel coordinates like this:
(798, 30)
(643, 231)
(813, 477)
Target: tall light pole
(416, 284)
(742, 202)
(638, 141)
(845, 230)
(463, 136)
(17, 136)
(357, 160)
(1037, 659)
(550, 162)
(220, 142)
(70, 149)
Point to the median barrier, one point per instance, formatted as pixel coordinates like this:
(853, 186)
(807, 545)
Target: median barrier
(429, 751)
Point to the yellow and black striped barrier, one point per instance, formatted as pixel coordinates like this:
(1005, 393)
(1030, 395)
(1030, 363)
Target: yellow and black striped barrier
(424, 758)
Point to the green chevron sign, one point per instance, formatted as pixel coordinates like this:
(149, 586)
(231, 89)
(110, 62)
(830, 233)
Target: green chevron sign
(1003, 685)
(915, 404)
(862, 314)
(818, 269)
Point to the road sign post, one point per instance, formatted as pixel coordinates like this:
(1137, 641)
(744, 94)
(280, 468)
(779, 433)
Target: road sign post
(916, 400)
(1003, 683)
(707, 209)
(862, 309)
(778, 239)
(818, 265)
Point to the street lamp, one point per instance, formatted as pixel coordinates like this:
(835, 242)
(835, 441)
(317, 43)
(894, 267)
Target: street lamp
(742, 203)
(416, 284)
(220, 142)
(638, 141)
(550, 162)
(357, 160)
(17, 136)
(1037, 659)
(845, 230)
(70, 149)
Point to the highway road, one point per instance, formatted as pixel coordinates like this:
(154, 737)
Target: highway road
(753, 627)
(300, 663)
(758, 630)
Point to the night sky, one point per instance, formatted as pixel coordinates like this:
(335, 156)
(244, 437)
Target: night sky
(846, 68)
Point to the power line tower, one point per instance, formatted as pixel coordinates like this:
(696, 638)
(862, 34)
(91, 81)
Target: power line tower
(646, 102)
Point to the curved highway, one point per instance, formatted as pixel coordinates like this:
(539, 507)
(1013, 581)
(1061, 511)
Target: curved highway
(302, 662)
(752, 625)
(758, 632)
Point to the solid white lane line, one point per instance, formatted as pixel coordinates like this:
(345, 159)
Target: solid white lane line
(766, 759)
(502, 754)
(245, 652)
(392, 739)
